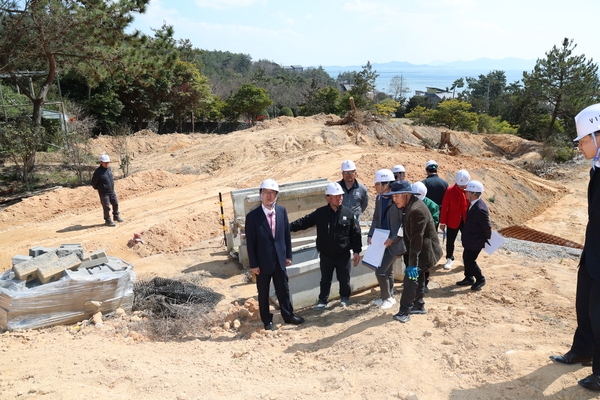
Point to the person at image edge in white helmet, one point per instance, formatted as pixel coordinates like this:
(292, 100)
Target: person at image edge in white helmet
(356, 196)
(585, 348)
(104, 183)
(337, 233)
(269, 244)
(476, 232)
(453, 213)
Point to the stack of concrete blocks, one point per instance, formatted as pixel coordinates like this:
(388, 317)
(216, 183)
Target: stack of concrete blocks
(54, 286)
(299, 199)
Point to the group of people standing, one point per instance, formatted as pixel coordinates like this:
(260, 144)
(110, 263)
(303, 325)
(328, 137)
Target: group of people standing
(410, 213)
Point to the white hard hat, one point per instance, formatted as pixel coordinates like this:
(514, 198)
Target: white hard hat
(431, 164)
(384, 175)
(333, 188)
(474, 186)
(104, 158)
(462, 177)
(348, 165)
(398, 168)
(420, 188)
(270, 184)
(587, 121)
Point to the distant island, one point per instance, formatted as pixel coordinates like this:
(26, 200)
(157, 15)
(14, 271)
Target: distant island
(503, 64)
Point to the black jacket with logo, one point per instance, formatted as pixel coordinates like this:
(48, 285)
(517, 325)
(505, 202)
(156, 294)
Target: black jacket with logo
(337, 231)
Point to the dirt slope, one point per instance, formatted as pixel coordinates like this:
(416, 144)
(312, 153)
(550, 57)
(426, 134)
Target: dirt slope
(486, 345)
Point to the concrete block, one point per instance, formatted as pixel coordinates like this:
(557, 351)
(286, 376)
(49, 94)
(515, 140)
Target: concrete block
(66, 249)
(27, 270)
(39, 250)
(20, 258)
(53, 271)
(98, 257)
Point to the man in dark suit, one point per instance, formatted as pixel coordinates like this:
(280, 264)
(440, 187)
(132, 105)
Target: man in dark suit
(269, 244)
(476, 231)
(586, 341)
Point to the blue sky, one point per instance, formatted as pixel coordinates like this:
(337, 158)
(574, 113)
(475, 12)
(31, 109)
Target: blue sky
(338, 32)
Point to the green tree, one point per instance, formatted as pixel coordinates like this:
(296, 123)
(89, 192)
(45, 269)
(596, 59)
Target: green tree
(287, 112)
(485, 93)
(419, 101)
(566, 83)
(364, 85)
(420, 115)
(459, 83)
(325, 100)
(387, 107)
(189, 91)
(249, 101)
(456, 115)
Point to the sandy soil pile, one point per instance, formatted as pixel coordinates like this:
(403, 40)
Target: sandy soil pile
(492, 344)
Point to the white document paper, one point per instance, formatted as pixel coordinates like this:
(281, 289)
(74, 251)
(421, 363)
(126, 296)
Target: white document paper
(374, 253)
(495, 241)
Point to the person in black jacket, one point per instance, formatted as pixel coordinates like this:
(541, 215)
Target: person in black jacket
(436, 186)
(337, 233)
(103, 182)
(585, 348)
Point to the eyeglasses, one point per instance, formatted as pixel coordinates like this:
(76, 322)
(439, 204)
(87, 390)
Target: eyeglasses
(348, 172)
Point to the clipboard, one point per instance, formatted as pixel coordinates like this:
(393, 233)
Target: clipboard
(496, 241)
(374, 252)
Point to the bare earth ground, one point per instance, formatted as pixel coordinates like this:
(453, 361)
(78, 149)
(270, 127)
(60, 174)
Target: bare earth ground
(492, 344)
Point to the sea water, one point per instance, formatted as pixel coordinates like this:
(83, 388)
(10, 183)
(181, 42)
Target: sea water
(420, 78)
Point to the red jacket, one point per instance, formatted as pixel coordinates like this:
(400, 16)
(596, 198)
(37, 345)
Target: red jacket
(454, 207)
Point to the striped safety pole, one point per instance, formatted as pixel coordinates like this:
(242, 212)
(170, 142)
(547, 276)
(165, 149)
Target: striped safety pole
(223, 218)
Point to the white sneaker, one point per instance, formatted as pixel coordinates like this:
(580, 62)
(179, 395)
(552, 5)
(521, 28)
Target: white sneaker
(388, 303)
(448, 264)
(378, 302)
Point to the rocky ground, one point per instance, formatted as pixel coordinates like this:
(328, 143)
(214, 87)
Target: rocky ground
(492, 344)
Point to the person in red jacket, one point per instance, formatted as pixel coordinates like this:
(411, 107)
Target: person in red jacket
(453, 213)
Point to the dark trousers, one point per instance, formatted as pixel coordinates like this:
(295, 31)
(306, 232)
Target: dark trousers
(412, 294)
(108, 199)
(451, 235)
(586, 341)
(341, 265)
(282, 290)
(471, 267)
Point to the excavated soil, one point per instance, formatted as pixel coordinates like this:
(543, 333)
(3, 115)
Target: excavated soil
(492, 344)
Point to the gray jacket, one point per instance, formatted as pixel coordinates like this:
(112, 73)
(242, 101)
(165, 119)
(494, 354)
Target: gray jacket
(394, 217)
(356, 198)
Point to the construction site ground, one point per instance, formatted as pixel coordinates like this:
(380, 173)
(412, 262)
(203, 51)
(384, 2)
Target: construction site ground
(492, 344)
